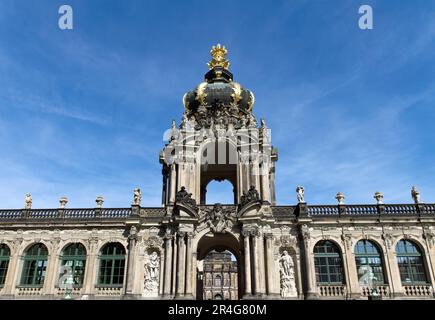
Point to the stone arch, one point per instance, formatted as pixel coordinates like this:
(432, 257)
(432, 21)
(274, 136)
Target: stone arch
(64, 244)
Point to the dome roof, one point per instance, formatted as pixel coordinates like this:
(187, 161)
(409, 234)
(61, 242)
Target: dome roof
(219, 95)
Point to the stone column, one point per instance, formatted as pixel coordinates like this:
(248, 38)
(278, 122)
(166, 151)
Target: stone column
(52, 275)
(271, 273)
(262, 269)
(430, 258)
(247, 250)
(393, 271)
(265, 187)
(13, 270)
(173, 184)
(168, 265)
(309, 263)
(181, 265)
(256, 267)
(189, 257)
(174, 265)
(129, 288)
(91, 273)
(272, 185)
(349, 264)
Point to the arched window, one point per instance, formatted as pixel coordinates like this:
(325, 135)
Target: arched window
(4, 262)
(328, 263)
(35, 265)
(410, 261)
(367, 253)
(73, 261)
(112, 264)
(218, 281)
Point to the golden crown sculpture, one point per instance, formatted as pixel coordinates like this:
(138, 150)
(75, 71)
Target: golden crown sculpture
(218, 54)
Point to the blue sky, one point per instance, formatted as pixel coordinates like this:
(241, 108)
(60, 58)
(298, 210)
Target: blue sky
(82, 112)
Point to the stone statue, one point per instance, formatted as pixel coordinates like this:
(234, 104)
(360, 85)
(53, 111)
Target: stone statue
(379, 197)
(63, 201)
(152, 272)
(28, 204)
(137, 198)
(185, 198)
(287, 274)
(300, 191)
(251, 196)
(415, 195)
(286, 262)
(99, 201)
(184, 121)
(340, 198)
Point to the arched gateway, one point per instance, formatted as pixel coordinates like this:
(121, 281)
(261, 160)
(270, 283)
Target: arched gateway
(219, 139)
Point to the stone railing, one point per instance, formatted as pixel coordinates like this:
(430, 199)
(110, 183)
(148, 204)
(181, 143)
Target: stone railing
(153, 212)
(108, 291)
(322, 210)
(75, 293)
(371, 210)
(401, 209)
(10, 214)
(332, 291)
(360, 210)
(116, 213)
(66, 214)
(429, 208)
(424, 290)
(43, 214)
(283, 211)
(79, 213)
(29, 291)
(381, 290)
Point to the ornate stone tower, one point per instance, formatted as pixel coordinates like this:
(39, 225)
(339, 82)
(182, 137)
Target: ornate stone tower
(218, 139)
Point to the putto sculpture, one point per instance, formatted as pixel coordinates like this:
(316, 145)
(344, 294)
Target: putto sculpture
(415, 195)
(300, 192)
(137, 197)
(28, 201)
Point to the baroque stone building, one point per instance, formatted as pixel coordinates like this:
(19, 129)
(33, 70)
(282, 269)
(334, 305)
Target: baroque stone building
(217, 277)
(294, 251)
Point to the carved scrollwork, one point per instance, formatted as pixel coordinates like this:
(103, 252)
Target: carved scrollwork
(153, 242)
(185, 198)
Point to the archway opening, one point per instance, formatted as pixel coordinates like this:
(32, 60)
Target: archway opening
(218, 268)
(218, 162)
(219, 191)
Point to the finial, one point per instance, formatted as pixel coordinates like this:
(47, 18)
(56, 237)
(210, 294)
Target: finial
(415, 195)
(62, 202)
(218, 54)
(340, 198)
(379, 197)
(99, 201)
